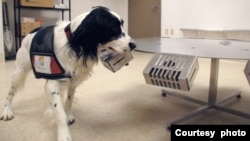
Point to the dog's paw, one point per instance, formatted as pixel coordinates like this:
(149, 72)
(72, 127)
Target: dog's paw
(70, 119)
(7, 115)
(64, 135)
(64, 138)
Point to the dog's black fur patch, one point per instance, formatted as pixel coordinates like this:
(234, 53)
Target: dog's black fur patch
(99, 27)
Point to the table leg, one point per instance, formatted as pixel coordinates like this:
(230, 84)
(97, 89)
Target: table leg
(214, 71)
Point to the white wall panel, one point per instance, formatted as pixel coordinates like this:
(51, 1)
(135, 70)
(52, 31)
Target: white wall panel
(204, 14)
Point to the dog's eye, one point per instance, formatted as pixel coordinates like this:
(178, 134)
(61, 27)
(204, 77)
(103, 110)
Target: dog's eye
(122, 22)
(123, 34)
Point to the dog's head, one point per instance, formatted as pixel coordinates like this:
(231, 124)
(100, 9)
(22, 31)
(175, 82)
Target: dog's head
(98, 30)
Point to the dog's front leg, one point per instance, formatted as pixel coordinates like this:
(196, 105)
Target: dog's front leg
(68, 104)
(54, 90)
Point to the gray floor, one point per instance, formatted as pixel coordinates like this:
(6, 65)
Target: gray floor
(120, 106)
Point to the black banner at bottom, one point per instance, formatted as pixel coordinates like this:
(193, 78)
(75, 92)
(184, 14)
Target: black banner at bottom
(210, 132)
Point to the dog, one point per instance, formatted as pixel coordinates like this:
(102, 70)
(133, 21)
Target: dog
(76, 48)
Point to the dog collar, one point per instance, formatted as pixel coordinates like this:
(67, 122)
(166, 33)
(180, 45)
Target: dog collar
(68, 32)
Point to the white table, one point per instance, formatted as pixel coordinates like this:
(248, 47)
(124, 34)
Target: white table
(205, 48)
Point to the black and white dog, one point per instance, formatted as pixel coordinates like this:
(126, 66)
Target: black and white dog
(76, 46)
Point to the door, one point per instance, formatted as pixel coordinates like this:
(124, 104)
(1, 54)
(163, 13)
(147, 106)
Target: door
(144, 18)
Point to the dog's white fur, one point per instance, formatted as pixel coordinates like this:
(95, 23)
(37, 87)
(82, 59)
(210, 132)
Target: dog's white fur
(71, 64)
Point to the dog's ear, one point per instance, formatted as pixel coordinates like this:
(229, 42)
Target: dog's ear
(98, 27)
(94, 7)
(102, 24)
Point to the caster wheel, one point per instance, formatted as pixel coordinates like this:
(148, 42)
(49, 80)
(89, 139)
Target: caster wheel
(238, 96)
(164, 94)
(168, 128)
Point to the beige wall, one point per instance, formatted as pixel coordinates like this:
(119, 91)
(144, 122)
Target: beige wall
(119, 6)
(78, 7)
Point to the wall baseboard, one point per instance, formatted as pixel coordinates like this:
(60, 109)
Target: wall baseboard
(234, 34)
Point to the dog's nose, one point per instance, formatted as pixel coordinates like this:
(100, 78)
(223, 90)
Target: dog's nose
(132, 45)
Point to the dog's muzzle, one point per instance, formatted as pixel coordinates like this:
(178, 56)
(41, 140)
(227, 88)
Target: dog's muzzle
(114, 61)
